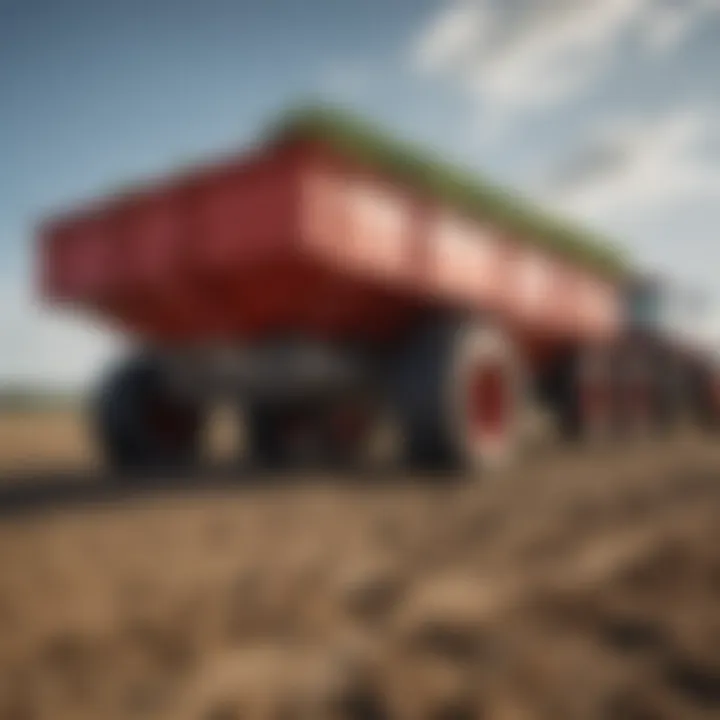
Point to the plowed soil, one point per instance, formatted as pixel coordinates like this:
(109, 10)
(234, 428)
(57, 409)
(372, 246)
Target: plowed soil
(578, 585)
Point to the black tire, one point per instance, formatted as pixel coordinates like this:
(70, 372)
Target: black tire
(141, 425)
(672, 403)
(437, 393)
(360, 433)
(638, 392)
(283, 435)
(264, 426)
(582, 389)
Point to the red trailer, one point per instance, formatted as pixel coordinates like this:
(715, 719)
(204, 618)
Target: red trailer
(327, 287)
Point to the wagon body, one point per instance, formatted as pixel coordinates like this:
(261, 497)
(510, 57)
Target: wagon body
(298, 238)
(323, 289)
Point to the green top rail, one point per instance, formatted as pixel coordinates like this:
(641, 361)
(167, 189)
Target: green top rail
(364, 141)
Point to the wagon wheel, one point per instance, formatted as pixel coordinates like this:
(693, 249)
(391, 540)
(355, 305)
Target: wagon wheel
(584, 391)
(459, 391)
(672, 404)
(141, 424)
(637, 394)
(285, 435)
(360, 432)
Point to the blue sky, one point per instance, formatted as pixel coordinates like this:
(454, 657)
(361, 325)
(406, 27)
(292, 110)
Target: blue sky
(607, 111)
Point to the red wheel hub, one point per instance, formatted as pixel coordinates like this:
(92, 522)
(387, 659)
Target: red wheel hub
(488, 401)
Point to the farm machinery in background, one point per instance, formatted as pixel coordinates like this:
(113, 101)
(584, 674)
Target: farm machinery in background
(333, 282)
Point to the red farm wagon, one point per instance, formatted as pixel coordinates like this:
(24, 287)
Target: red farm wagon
(333, 282)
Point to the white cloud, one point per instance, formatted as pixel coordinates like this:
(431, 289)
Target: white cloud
(525, 54)
(669, 24)
(46, 347)
(647, 172)
(640, 163)
(452, 36)
(666, 28)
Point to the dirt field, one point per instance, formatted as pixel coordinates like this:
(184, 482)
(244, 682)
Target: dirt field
(60, 440)
(44, 440)
(576, 586)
